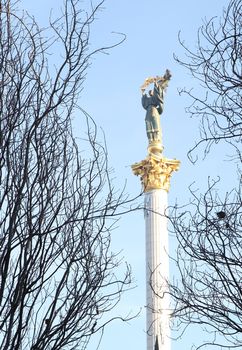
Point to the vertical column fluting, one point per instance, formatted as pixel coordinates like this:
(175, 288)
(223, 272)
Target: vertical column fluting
(157, 270)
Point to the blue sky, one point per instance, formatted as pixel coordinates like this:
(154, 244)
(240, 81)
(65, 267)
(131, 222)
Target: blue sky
(111, 96)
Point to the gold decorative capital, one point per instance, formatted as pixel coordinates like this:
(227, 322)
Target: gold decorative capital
(155, 172)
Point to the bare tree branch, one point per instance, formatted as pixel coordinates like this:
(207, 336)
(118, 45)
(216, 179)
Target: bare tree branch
(58, 275)
(217, 66)
(208, 289)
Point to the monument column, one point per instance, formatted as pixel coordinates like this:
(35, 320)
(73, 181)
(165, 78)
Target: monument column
(155, 173)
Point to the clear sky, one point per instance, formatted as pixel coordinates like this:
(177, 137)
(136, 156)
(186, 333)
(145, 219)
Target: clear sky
(112, 97)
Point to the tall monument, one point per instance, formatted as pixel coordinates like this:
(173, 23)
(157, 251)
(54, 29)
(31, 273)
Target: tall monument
(155, 172)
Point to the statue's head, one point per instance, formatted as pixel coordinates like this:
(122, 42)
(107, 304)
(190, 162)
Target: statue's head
(151, 92)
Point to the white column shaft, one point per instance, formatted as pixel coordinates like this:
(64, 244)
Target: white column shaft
(157, 271)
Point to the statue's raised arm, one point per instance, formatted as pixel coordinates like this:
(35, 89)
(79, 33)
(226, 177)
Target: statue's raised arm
(153, 103)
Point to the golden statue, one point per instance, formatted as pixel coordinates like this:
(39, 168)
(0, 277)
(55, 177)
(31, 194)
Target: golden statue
(153, 103)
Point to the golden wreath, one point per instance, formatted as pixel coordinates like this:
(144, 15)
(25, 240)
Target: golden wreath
(160, 80)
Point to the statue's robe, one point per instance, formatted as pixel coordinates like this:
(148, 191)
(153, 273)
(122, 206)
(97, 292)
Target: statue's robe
(154, 107)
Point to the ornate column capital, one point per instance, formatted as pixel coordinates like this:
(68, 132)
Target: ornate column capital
(155, 172)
